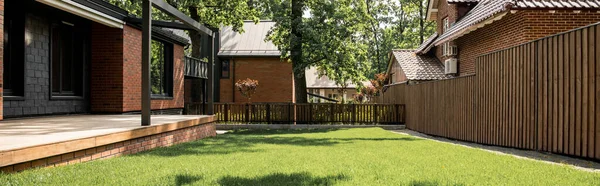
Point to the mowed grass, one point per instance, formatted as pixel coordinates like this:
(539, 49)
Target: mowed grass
(309, 157)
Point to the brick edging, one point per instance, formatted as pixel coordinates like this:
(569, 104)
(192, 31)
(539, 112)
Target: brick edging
(131, 146)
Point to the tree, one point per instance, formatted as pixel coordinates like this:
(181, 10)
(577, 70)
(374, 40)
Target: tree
(347, 40)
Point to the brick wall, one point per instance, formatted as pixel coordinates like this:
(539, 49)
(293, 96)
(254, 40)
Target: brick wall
(121, 148)
(37, 81)
(507, 32)
(515, 29)
(1, 58)
(275, 79)
(542, 23)
(449, 11)
(107, 69)
(119, 66)
(132, 64)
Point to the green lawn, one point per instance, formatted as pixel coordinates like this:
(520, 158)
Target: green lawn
(309, 157)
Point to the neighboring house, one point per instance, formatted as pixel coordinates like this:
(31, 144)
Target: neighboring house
(322, 89)
(249, 55)
(405, 66)
(470, 28)
(83, 56)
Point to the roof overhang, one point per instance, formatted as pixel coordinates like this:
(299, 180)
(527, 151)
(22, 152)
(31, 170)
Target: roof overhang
(432, 10)
(85, 12)
(472, 28)
(391, 58)
(244, 53)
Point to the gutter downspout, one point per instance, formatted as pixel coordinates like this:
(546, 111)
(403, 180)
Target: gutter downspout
(232, 67)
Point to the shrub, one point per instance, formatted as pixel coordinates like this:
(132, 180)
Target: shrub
(247, 87)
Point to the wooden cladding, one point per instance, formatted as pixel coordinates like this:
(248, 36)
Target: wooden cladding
(541, 95)
(313, 113)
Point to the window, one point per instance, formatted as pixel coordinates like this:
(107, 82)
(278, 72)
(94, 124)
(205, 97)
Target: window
(14, 37)
(161, 69)
(446, 25)
(225, 69)
(445, 48)
(68, 56)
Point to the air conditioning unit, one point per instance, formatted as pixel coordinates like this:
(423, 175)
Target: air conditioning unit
(450, 66)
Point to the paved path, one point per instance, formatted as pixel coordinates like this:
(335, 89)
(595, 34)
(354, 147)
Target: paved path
(524, 154)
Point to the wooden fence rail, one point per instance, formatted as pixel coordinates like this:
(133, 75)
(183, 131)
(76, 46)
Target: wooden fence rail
(543, 95)
(313, 113)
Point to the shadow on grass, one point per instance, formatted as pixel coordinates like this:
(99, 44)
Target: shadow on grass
(294, 179)
(185, 179)
(244, 143)
(281, 131)
(428, 183)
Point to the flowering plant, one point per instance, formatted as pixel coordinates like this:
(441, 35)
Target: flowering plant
(247, 87)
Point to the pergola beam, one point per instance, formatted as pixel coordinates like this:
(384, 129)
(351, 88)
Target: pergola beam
(172, 11)
(147, 51)
(162, 24)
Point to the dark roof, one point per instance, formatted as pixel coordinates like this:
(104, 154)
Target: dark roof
(419, 67)
(485, 10)
(427, 44)
(170, 36)
(463, 1)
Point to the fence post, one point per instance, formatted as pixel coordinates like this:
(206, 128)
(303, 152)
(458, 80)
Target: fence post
(397, 114)
(375, 107)
(290, 113)
(353, 113)
(226, 111)
(268, 113)
(247, 109)
(332, 107)
(310, 116)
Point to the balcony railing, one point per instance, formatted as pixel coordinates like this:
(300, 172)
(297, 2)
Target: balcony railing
(197, 68)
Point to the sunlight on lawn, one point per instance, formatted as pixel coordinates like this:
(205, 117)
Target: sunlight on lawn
(310, 157)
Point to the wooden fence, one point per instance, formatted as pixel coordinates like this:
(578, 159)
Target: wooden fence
(543, 95)
(313, 113)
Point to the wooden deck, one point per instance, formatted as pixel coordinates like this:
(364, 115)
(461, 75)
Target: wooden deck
(23, 140)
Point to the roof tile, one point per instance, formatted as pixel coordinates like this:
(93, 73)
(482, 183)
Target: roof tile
(419, 67)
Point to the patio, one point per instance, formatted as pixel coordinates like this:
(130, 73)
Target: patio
(23, 140)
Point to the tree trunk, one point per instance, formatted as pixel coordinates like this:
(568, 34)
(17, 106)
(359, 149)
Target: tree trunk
(296, 52)
(194, 35)
(421, 23)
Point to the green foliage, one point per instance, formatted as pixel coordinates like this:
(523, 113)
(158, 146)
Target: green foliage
(214, 13)
(157, 67)
(370, 156)
(349, 40)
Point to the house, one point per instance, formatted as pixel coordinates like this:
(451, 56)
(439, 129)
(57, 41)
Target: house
(84, 56)
(467, 29)
(322, 89)
(405, 66)
(249, 55)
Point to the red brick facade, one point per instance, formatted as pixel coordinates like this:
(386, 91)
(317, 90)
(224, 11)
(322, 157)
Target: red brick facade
(275, 79)
(121, 148)
(107, 69)
(116, 68)
(513, 29)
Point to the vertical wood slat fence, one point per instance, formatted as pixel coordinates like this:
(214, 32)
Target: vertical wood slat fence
(313, 113)
(543, 95)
